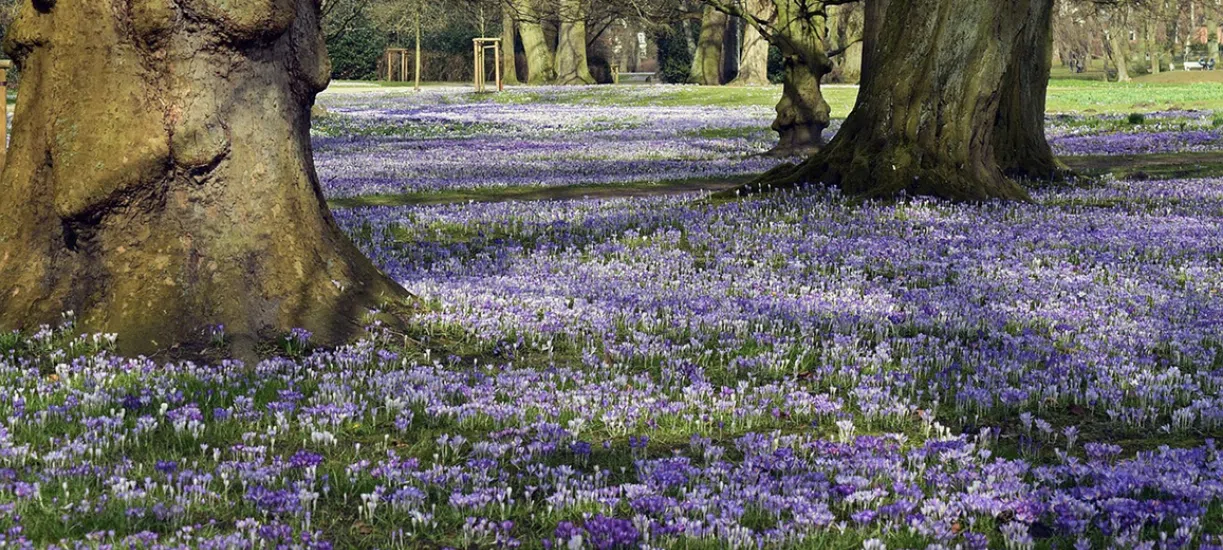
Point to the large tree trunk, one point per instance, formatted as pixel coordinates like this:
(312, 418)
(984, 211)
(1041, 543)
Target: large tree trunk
(926, 115)
(874, 16)
(572, 67)
(161, 178)
(541, 63)
(509, 60)
(1020, 143)
(707, 61)
(754, 62)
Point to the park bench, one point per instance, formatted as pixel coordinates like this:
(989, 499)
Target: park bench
(1199, 65)
(638, 78)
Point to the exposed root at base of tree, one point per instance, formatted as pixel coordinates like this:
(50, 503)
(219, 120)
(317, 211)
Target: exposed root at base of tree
(887, 176)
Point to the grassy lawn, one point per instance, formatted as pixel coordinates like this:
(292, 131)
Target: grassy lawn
(1068, 93)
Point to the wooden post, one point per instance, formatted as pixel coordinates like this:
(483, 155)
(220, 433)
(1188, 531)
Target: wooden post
(480, 50)
(388, 65)
(5, 65)
(403, 65)
(497, 60)
(479, 71)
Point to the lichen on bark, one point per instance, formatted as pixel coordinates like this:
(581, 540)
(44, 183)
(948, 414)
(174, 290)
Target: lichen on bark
(161, 179)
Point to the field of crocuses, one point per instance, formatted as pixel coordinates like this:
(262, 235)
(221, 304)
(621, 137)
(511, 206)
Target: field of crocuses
(403, 143)
(443, 140)
(670, 372)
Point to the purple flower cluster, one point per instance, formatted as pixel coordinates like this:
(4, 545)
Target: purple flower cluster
(446, 139)
(1138, 143)
(408, 144)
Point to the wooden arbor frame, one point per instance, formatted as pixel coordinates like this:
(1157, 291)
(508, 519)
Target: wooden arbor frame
(396, 56)
(480, 47)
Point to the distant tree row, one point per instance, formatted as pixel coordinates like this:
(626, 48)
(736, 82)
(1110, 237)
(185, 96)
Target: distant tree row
(1136, 36)
(708, 42)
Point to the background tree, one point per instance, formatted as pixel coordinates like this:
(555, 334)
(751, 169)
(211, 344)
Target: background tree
(199, 205)
(798, 28)
(509, 44)
(572, 65)
(926, 118)
(541, 59)
(707, 60)
(754, 59)
(1114, 18)
(845, 25)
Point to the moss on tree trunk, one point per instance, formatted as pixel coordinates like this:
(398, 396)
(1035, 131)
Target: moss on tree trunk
(800, 31)
(802, 113)
(926, 118)
(161, 178)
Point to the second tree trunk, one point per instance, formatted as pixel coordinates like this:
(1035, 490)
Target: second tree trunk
(572, 67)
(927, 115)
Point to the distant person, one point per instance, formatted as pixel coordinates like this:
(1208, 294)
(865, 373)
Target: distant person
(1210, 65)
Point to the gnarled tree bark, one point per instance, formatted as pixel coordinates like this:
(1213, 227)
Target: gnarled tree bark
(1020, 144)
(161, 178)
(802, 114)
(926, 118)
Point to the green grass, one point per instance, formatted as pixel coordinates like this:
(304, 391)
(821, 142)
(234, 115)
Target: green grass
(1079, 96)
(1161, 166)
